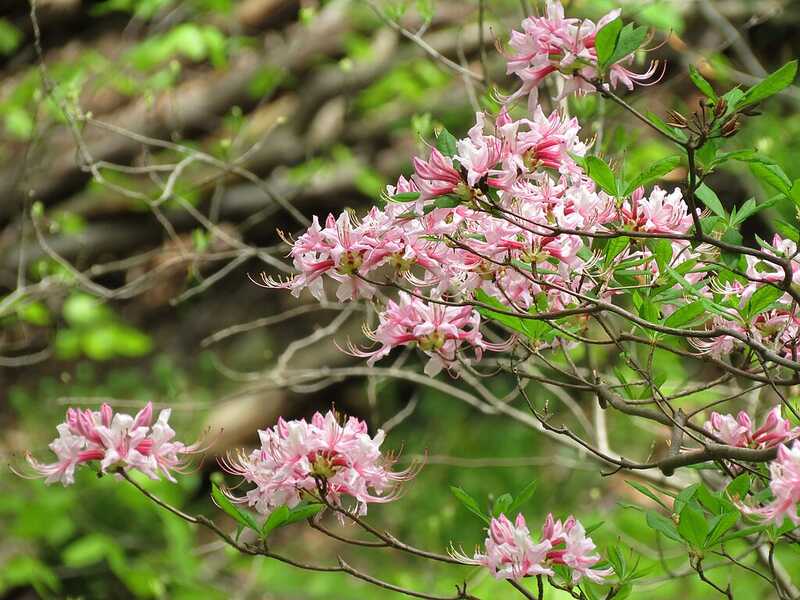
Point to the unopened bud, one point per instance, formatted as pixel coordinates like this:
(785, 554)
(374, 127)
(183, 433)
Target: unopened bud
(720, 107)
(676, 119)
(731, 127)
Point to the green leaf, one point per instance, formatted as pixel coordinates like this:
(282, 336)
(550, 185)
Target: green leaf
(303, 512)
(774, 83)
(711, 200)
(701, 84)
(656, 171)
(99, 343)
(723, 524)
(739, 487)
(510, 321)
(602, 175)
(749, 208)
(686, 315)
(647, 492)
(787, 230)
(469, 503)
(773, 176)
(614, 248)
(592, 528)
(244, 519)
(733, 97)
(188, 39)
(448, 201)
(761, 300)
(606, 41)
(525, 495)
(707, 153)
(405, 197)
(502, 504)
(663, 525)
(617, 559)
(662, 250)
(734, 237)
(692, 526)
(683, 497)
(276, 518)
(743, 533)
(711, 502)
(794, 192)
(529, 327)
(446, 143)
(629, 41)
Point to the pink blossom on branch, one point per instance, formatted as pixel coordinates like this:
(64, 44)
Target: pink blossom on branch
(554, 45)
(739, 432)
(573, 548)
(510, 552)
(295, 455)
(438, 330)
(785, 486)
(115, 440)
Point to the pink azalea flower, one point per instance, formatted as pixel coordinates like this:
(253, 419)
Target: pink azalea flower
(115, 440)
(478, 153)
(761, 270)
(658, 213)
(340, 250)
(510, 552)
(553, 44)
(785, 485)
(295, 455)
(438, 330)
(733, 431)
(739, 431)
(436, 176)
(542, 141)
(572, 547)
(775, 430)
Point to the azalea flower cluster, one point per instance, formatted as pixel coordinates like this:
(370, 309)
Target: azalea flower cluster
(299, 457)
(509, 216)
(785, 486)
(510, 552)
(738, 431)
(115, 440)
(498, 221)
(778, 327)
(553, 44)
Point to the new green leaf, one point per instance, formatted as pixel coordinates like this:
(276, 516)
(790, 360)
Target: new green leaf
(774, 83)
(656, 171)
(243, 518)
(692, 526)
(602, 174)
(762, 299)
(686, 315)
(469, 503)
(701, 84)
(606, 41)
(711, 200)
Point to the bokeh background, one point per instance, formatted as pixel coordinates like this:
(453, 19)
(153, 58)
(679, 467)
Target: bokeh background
(113, 289)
